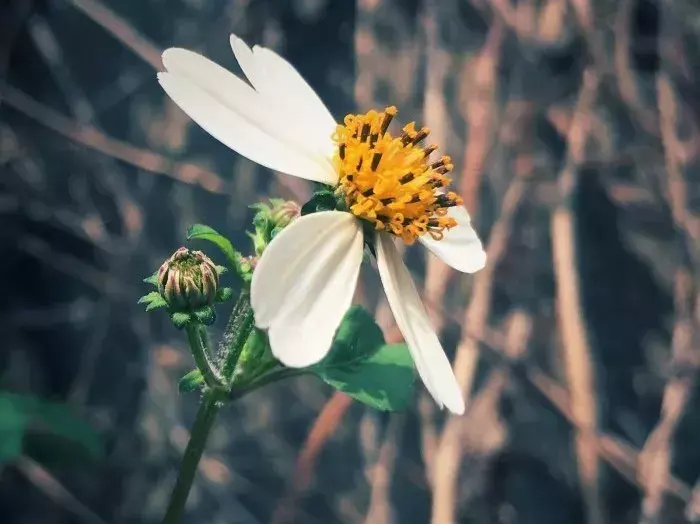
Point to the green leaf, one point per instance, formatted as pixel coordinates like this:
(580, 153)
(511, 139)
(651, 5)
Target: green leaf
(180, 319)
(202, 232)
(24, 417)
(357, 338)
(384, 381)
(153, 279)
(13, 421)
(323, 200)
(150, 297)
(62, 421)
(191, 381)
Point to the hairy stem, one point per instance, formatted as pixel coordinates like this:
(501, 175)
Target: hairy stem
(196, 337)
(238, 329)
(206, 416)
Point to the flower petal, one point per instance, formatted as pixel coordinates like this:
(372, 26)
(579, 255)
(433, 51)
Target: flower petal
(431, 362)
(460, 247)
(238, 133)
(304, 283)
(286, 90)
(240, 97)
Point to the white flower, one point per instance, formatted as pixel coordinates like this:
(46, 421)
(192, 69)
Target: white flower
(305, 279)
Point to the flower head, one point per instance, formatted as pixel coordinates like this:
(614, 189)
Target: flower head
(188, 280)
(305, 279)
(390, 181)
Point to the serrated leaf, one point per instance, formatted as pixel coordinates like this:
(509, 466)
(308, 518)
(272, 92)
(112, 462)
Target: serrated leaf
(357, 338)
(156, 304)
(180, 319)
(13, 421)
(202, 232)
(150, 297)
(191, 381)
(323, 200)
(384, 381)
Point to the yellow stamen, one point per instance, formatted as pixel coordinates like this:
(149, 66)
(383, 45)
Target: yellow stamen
(390, 181)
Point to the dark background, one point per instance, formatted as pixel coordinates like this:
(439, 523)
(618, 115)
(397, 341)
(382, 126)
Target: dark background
(574, 129)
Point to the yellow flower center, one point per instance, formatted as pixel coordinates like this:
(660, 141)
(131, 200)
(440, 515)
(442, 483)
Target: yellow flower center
(391, 182)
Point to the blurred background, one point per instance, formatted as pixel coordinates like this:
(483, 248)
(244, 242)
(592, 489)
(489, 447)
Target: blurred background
(574, 127)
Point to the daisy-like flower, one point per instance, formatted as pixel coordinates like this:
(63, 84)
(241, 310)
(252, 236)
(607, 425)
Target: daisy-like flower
(305, 280)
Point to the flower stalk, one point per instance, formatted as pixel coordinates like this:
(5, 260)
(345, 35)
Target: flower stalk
(208, 410)
(196, 339)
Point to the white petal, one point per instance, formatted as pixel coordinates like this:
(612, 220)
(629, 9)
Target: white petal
(431, 362)
(297, 104)
(304, 283)
(238, 133)
(460, 247)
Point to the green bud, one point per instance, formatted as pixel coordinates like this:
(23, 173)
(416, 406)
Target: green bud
(188, 281)
(271, 219)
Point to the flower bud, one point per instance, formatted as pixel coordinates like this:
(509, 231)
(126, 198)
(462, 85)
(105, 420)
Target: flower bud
(270, 220)
(188, 280)
(283, 213)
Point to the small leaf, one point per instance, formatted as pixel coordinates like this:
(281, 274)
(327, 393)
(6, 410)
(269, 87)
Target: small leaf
(206, 315)
(323, 200)
(156, 304)
(384, 381)
(202, 232)
(224, 294)
(180, 319)
(13, 421)
(150, 297)
(220, 270)
(357, 338)
(191, 381)
(153, 279)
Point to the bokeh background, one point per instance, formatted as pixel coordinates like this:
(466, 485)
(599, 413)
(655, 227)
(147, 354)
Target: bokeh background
(574, 125)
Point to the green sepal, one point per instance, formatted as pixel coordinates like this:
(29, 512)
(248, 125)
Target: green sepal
(224, 294)
(153, 279)
(322, 200)
(191, 381)
(205, 315)
(150, 297)
(179, 319)
(156, 304)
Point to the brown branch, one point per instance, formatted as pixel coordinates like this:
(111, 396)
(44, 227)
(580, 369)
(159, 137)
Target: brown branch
(122, 30)
(91, 137)
(576, 351)
(476, 317)
(327, 421)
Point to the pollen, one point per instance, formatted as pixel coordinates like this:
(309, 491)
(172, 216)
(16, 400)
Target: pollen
(391, 181)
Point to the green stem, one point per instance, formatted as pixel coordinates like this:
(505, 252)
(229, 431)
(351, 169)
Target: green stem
(265, 380)
(201, 358)
(206, 416)
(238, 329)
